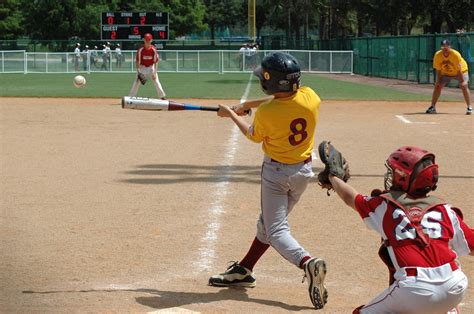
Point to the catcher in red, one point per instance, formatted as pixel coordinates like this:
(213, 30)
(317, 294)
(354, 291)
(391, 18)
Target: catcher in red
(422, 234)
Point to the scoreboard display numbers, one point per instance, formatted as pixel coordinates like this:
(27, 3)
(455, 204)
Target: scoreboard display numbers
(134, 25)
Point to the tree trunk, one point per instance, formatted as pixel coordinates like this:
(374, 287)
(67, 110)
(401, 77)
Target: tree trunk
(213, 34)
(322, 27)
(436, 22)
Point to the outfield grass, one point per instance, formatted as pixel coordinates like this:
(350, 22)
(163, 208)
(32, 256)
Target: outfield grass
(186, 85)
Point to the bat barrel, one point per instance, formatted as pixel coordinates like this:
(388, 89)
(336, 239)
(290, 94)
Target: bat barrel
(142, 103)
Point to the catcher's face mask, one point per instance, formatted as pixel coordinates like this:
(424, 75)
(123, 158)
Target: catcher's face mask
(388, 177)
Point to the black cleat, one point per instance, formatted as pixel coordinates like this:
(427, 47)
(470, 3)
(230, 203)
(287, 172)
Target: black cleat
(431, 110)
(235, 275)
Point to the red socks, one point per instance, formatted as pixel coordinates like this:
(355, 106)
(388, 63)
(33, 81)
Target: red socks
(257, 249)
(304, 261)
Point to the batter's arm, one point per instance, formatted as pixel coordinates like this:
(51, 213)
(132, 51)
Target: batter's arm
(242, 108)
(346, 192)
(226, 112)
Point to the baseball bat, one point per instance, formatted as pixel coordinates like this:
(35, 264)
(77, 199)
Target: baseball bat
(142, 103)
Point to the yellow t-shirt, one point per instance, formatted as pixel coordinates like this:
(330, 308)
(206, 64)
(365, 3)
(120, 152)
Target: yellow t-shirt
(449, 66)
(286, 126)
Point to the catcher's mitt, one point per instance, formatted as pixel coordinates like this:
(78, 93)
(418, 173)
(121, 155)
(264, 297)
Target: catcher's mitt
(142, 78)
(334, 164)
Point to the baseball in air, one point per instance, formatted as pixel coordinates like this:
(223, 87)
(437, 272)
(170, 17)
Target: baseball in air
(79, 81)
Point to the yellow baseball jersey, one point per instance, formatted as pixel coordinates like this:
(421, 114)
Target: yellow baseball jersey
(286, 126)
(449, 66)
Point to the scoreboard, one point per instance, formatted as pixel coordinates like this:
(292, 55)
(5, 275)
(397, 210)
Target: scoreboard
(133, 25)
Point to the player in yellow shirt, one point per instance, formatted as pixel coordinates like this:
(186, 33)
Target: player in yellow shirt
(285, 125)
(449, 65)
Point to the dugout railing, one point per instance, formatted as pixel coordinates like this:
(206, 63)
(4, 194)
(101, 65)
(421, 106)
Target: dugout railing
(221, 61)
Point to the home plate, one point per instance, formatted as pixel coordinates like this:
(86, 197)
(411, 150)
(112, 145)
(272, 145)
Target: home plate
(174, 310)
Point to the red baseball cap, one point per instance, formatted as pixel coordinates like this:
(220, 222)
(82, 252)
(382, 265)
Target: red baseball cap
(148, 37)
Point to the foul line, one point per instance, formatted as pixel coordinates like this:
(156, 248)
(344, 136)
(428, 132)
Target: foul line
(206, 250)
(405, 120)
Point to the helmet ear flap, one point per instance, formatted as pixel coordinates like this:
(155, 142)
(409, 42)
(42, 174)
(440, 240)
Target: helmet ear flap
(424, 181)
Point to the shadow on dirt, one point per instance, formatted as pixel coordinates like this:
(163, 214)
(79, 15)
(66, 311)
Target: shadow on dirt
(175, 173)
(172, 299)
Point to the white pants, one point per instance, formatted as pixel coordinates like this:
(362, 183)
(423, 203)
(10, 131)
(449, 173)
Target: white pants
(415, 295)
(147, 71)
(282, 187)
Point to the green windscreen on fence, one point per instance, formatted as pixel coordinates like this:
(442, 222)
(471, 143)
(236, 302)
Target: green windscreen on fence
(403, 57)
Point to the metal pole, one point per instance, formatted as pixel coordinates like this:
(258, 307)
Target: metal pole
(330, 62)
(251, 20)
(352, 62)
(309, 61)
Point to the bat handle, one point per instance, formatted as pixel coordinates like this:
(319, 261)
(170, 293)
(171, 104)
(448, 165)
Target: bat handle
(204, 108)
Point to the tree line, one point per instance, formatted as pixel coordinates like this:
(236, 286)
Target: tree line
(327, 19)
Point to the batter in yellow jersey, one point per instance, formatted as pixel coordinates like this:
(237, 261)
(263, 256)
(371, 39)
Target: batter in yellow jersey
(285, 125)
(450, 65)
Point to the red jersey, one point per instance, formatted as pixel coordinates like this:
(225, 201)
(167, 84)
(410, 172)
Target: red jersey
(147, 56)
(449, 236)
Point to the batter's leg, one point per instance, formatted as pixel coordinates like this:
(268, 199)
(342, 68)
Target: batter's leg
(274, 218)
(299, 183)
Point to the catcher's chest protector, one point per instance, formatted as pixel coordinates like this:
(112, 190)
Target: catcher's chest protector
(414, 210)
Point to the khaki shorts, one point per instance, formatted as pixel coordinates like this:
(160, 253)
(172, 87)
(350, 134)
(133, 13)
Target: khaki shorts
(446, 79)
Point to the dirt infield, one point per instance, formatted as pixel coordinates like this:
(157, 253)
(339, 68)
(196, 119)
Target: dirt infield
(112, 210)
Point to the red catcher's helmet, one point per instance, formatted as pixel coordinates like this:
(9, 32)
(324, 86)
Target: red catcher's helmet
(412, 170)
(148, 37)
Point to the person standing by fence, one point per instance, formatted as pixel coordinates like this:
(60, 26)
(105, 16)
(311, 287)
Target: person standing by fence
(94, 56)
(77, 56)
(85, 57)
(105, 57)
(118, 56)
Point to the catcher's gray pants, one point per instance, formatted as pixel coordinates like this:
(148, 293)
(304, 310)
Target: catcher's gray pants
(282, 187)
(147, 71)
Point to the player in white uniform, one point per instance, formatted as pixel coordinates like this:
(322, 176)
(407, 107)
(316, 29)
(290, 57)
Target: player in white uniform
(77, 56)
(118, 56)
(422, 235)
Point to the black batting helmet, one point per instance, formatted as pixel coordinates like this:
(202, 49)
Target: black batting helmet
(279, 72)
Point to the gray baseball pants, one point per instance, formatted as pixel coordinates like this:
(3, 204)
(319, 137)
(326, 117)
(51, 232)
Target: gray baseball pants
(282, 187)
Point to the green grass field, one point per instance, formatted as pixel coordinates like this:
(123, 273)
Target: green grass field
(187, 85)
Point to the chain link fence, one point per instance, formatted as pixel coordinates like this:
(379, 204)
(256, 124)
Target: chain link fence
(170, 61)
